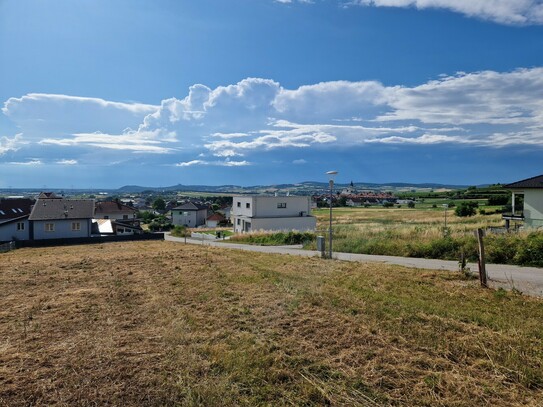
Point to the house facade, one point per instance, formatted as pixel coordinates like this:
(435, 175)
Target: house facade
(272, 213)
(115, 210)
(14, 214)
(532, 211)
(190, 214)
(58, 218)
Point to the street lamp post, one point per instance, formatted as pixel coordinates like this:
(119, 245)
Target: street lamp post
(331, 176)
(445, 207)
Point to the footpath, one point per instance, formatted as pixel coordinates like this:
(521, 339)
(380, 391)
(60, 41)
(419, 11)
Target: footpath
(528, 280)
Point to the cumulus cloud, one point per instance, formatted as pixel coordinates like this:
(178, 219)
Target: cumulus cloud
(259, 117)
(515, 12)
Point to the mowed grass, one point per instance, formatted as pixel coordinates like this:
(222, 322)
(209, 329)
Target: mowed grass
(162, 323)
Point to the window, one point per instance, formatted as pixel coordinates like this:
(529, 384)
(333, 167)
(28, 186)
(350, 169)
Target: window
(282, 205)
(125, 216)
(239, 204)
(76, 226)
(239, 221)
(106, 217)
(20, 226)
(49, 227)
(248, 205)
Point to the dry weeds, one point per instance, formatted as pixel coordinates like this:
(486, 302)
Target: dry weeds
(160, 323)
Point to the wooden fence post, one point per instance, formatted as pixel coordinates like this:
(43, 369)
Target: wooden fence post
(482, 266)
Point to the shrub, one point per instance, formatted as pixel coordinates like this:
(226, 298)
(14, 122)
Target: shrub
(530, 252)
(466, 209)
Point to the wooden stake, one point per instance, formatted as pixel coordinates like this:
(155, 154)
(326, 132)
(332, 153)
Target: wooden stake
(482, 266)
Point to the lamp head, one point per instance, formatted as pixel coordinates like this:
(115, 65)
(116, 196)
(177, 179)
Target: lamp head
(331, 175)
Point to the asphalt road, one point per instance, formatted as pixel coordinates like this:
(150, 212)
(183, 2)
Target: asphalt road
(528, 280)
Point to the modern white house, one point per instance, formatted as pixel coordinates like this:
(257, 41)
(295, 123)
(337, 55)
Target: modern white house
(189, 214)
(532, 211)
(272, 213)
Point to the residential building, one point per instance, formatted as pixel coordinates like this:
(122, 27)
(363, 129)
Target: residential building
(213, 220)
(14, 214)
(190, 214)
(115, 210)
(56, 218)
(531, 214)
(273, 213)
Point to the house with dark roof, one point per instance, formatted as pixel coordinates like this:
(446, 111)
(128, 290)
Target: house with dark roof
(190, 214)
(58, 218)
(531, 212)
(115, 210)
(14, 214)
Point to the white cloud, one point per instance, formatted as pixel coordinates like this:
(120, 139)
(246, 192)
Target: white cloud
(299, 161)
(225, 163)
(33, 162)
(258, 116)
(516, 12)
(486, 97)
(67, 162)
(10, 144)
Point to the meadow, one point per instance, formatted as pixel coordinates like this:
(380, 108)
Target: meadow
(167, 324)
(421, 232)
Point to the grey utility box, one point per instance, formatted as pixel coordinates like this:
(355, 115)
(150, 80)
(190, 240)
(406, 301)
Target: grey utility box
(321, 245)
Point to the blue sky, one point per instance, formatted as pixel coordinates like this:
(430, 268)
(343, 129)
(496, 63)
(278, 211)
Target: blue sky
(105, 93)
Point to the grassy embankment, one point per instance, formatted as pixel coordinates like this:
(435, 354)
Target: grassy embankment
(159, 323)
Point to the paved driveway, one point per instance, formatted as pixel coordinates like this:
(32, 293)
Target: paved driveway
(528, 280)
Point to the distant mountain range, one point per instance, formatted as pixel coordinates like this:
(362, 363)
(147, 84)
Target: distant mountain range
(306, 186)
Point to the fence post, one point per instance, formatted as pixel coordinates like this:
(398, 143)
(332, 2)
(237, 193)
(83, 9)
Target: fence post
(482, 266)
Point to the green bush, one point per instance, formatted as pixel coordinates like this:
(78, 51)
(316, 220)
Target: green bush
(530, 252)
(466, 209)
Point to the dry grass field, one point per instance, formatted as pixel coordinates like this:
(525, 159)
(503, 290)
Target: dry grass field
(161, 323)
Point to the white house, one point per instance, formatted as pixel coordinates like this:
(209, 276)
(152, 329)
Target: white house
(274, 213)
(532, 211)
(189, 214)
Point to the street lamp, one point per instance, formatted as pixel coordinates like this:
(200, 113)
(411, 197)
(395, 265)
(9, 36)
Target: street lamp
(331, 176)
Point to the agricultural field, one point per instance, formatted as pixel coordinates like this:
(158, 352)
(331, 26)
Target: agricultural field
(164, 324)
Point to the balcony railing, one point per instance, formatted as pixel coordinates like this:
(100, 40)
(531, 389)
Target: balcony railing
(513, 216)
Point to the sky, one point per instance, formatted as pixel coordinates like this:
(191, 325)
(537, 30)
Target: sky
(106, 93)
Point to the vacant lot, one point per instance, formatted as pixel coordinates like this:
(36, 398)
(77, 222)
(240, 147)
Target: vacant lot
(161, 323)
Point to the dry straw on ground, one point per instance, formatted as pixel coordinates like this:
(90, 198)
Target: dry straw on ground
(160, 323)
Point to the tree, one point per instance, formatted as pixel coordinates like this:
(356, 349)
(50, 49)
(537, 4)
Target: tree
(159, 204)
(411, 204)
(466, 209)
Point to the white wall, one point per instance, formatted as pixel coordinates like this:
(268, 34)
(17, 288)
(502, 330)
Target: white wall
(533, 208)
(301, 224)
(267, 206)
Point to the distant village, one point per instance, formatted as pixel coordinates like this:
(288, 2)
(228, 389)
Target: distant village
(57, 216)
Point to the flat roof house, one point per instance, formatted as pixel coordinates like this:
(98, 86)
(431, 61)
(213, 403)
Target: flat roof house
(532, 211)
(273, 213)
